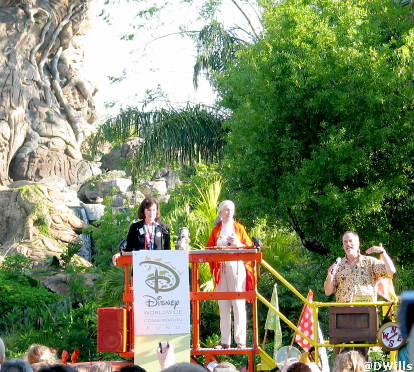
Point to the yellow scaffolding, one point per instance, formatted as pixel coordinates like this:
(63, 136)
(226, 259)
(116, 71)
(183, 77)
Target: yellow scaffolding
(315, 305)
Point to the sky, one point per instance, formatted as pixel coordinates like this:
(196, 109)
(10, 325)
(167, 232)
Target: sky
(150, 61)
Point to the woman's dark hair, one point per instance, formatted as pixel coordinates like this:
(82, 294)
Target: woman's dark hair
(133, 368)
(16, 365)
(145, 204)
(298, 367)
(57, 368)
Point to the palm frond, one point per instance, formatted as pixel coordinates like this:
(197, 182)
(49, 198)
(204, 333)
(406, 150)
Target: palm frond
(216, 48)
(201, 218)
(207, 204)
(183, 136)
(111, 287)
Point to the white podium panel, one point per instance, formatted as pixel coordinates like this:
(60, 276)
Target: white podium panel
(161, 305)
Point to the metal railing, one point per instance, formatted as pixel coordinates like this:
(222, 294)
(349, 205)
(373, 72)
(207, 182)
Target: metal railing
(315, 305)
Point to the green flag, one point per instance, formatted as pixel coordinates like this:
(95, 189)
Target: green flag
(273, 320)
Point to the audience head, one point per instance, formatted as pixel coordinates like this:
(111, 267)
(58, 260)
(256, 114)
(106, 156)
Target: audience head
(57, 368)
(16, 365)
(184, 367)
(2, 351)
(133, 368)
(39, 353)
(298, 367)
(351, 361)
(224, 367)
(101, 367)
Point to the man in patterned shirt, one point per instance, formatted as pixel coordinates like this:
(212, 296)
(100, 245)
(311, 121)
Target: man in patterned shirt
(356, 274)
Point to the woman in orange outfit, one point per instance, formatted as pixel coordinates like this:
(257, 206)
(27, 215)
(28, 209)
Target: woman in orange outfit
(231, 276)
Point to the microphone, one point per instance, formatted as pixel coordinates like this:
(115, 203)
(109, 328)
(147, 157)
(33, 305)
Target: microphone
(337, 262)
(163, 228)
(256, 241)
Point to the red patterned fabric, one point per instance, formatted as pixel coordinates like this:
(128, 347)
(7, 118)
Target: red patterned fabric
(306, 325)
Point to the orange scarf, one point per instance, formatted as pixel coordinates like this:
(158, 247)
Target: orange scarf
(215, 267)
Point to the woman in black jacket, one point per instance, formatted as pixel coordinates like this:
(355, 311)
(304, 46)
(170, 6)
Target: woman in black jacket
(148, 233)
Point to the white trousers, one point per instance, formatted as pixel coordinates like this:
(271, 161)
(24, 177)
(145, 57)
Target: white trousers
(232, 279)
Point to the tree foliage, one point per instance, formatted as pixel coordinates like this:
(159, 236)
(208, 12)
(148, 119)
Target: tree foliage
(322, 134)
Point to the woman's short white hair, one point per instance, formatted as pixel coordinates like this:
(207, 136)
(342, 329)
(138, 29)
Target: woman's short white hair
(224, 204)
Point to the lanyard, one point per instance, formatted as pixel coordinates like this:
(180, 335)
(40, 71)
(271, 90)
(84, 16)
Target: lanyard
(149, 236)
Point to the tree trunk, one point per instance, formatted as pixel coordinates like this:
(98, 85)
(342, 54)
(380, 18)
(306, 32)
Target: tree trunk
(45, 109)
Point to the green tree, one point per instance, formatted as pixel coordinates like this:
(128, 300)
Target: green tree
(321, 136)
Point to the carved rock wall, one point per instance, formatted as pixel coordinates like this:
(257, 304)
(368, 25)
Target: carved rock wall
(46, 110)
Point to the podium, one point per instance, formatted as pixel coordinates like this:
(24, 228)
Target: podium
(353, 324)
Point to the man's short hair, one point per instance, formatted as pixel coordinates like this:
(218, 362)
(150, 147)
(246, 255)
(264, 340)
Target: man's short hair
(2, 351)
(351, 232)
(101, 367)
(16, 365)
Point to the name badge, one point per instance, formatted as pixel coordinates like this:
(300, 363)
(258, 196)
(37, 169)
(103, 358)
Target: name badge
(141, 231)
(158, 234)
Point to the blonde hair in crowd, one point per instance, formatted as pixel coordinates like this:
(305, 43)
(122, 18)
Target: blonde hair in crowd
(39, 353)
(351, 361)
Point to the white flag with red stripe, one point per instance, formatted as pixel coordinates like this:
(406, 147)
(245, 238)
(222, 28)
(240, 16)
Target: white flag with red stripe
(306, 325)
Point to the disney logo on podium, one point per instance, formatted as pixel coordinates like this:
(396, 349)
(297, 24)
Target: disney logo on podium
(162, 277)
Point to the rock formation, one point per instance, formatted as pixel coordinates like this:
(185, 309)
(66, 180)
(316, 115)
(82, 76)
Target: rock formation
(46, 110)
(35, 222)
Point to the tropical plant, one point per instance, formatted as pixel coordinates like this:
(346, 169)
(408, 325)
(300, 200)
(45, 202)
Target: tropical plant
(107, 234)
(64, 329)
(110, 287)
(193, 203)
(16, 264)
(205, 212)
